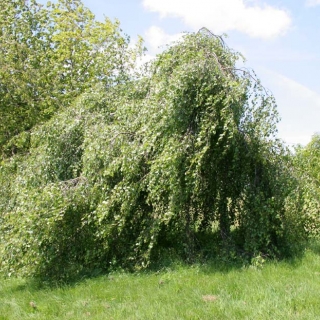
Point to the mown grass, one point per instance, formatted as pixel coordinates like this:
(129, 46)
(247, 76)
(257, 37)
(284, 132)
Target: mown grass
(273, 290)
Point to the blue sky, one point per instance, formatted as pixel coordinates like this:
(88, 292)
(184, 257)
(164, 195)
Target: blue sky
(279, 38)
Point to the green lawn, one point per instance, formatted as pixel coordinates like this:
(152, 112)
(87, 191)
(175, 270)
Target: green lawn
(276, 290)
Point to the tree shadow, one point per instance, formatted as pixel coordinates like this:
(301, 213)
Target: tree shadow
(169, 259)
(314, 246)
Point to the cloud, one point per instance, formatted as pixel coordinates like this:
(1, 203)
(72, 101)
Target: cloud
(312, 3)
(220, 16)
(299, 107)
(156, 37)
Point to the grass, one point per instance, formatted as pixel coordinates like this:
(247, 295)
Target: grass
(272, 290)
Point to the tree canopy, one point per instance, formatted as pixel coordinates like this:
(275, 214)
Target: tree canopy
(307, 164)
(126, 166)
(49, 55)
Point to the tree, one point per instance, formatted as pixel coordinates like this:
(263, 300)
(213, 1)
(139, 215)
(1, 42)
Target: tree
(307, 167)
(48, 57)
(168, 159)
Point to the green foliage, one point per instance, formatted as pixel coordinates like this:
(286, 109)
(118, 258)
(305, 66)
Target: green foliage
(153, 162)
(49, 56)
(307, 165)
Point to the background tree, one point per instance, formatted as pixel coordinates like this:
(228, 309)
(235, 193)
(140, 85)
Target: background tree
(48, 57)
(307, 166)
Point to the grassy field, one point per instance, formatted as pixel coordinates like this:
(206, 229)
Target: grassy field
(272, 290)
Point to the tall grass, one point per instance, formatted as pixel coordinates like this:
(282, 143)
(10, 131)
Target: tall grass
(265, 290)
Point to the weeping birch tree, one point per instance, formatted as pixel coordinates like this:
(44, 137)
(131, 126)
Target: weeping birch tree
(179, 155)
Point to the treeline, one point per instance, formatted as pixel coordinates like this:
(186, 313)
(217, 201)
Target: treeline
(103, 166)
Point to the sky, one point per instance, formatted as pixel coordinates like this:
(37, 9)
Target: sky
(280, 40)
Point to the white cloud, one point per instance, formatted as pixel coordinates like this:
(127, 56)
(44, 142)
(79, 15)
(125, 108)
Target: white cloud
(299, 107)
(220, 16)
(313, 3)
(156, 37)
